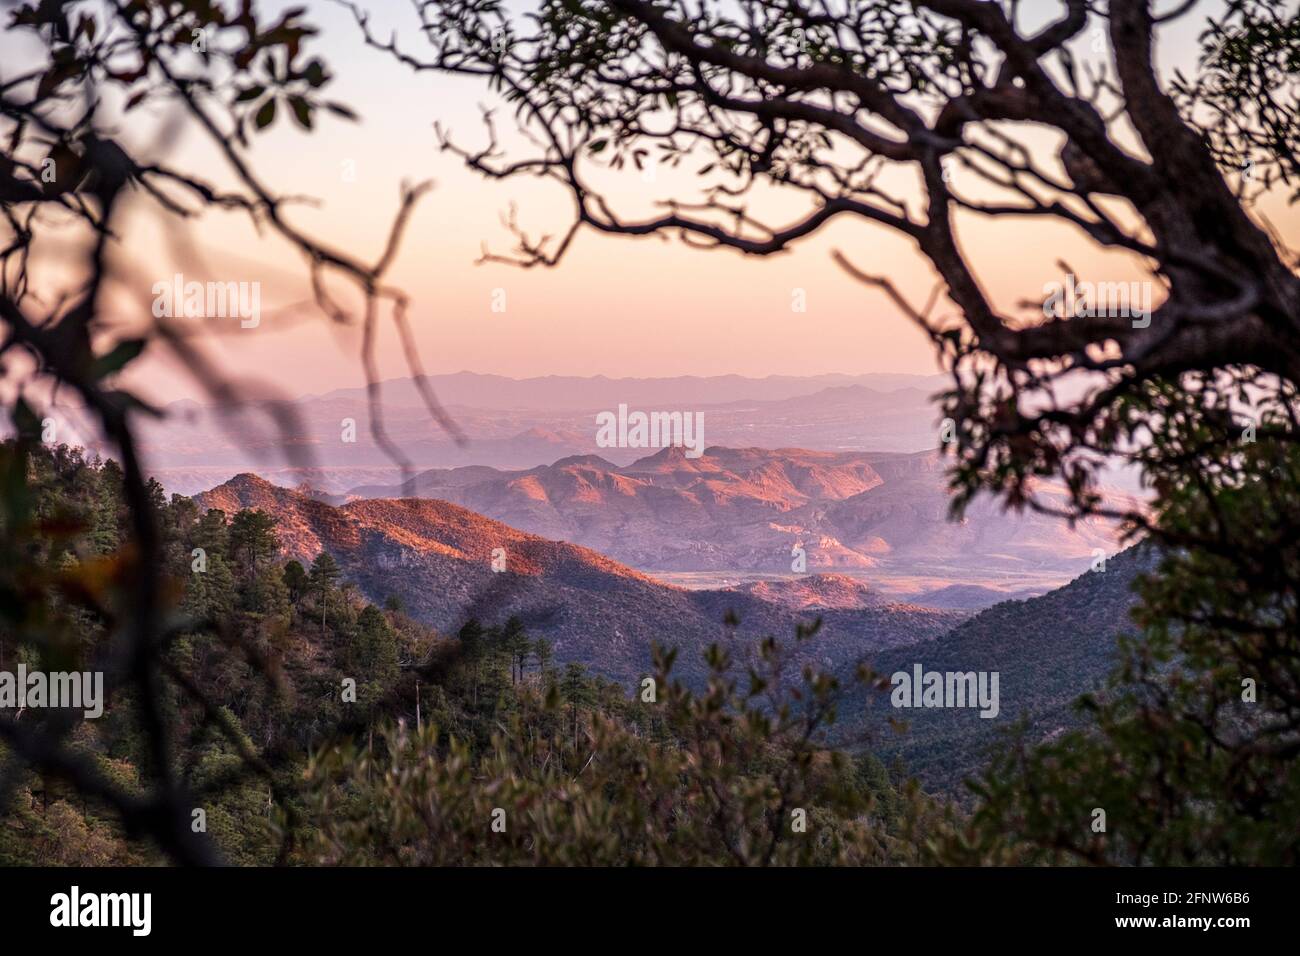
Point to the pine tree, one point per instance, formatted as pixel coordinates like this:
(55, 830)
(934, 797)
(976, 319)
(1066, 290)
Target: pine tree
(210, 596)
(252, 540)
(375, 651)
(324, 572)
(295, 579)
(179, 519)
(576, 692)
(109, 513)
(517, 645)
(544, 653)
(212, 534)
(472, 646)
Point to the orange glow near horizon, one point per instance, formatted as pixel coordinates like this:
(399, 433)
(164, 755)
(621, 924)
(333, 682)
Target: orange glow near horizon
(615, 306)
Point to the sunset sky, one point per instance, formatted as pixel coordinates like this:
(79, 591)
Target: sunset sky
(615, 306)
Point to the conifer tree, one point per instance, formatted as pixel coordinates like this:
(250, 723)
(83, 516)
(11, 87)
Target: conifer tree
(517, 645)
(252, 540)
(295, 579)
(324, 572)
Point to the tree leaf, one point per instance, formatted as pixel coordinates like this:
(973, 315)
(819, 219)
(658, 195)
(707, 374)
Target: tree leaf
(301, 111)
(266, 115)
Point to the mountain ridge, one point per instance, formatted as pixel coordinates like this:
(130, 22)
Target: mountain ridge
(1048, 650)
(747, 510)
(438, 558)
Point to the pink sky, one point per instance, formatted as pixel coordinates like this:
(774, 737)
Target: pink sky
(615, 306)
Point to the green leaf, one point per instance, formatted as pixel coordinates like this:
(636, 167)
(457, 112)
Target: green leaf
(315, 74)
(301, 111)
(250, 93)
(598, 145)
(266, 115)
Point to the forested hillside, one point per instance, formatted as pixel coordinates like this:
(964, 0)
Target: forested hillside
(314, 726)
(448, 564)
(1047, 651)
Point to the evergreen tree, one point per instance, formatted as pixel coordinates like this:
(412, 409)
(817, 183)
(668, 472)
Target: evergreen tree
(157, 495)
(516, 644)
(210, 596)
(324, 572)
(295, 579)
(179, 518)
(252, 540)
(544, 653)
(473, 647)
(108, 522)
(375, 651)
(577, 692)
(266, 593)
(212, 533)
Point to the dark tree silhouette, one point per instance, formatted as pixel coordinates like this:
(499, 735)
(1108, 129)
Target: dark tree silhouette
(224, 71)
(1072, 122)
(830, 100)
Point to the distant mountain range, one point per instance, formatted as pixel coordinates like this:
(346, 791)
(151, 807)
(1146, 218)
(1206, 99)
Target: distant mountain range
(576, 393)
(438, 558)
(746, 511)
(515, 424)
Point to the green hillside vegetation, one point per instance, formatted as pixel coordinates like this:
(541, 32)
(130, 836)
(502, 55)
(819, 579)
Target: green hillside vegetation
(312, 725)
(291, 764)
(1046, 650)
